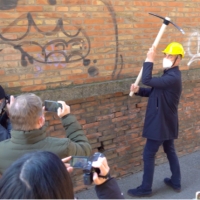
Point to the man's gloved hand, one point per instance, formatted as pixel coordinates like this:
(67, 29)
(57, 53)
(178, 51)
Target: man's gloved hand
(65, 110)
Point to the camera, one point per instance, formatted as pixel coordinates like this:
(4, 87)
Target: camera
(85, 163)
(3, 103)
(88, 169)
(7, 97)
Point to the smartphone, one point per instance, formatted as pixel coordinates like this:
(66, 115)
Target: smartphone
(52, 106)
(78, 161)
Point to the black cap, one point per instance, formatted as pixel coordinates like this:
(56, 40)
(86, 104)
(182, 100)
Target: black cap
(2, 93)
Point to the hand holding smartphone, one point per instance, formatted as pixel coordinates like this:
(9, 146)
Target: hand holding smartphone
(60, 107)
(52, 106)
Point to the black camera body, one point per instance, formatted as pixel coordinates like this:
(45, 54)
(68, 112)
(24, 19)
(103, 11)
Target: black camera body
(88, 169)
(7, 97)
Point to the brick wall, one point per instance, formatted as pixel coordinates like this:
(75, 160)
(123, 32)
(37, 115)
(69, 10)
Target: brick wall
(66, 45)
(113, 124)
(47, 44)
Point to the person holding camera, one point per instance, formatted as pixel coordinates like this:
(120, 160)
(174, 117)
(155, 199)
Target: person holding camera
(42, 175)
(5, 125)
(29, 133)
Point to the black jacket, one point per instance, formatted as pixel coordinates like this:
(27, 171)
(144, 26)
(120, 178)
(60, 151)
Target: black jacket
(109, 190)
(5, 126)
(161, 120)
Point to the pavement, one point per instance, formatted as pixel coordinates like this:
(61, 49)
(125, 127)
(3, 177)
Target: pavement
(190, 171)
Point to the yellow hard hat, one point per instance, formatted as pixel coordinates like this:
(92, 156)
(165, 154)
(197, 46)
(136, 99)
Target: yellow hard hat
(174, 48)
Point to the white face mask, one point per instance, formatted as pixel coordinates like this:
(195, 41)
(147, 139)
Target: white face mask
(167, 63)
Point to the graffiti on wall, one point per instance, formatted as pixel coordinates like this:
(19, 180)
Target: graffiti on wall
(63, 44)
(70, 49)
(8, 4)
(112, 12)
(52, 2)
(194, 53)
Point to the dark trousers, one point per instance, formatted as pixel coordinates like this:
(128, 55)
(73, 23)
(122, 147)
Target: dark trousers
(149, 153)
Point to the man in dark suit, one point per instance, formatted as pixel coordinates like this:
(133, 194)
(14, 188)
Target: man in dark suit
(161, 120)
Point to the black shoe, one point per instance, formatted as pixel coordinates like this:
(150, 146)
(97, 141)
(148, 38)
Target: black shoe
(138, 192)
(168, 182)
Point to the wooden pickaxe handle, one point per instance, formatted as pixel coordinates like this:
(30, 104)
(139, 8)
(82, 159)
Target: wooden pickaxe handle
(155, 44)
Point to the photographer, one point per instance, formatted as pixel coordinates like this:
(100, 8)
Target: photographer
(28, 132)
(5, 125)
(42, 175)
(105, 188)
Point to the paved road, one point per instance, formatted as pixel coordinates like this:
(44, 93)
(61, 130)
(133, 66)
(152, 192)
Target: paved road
(190, 170)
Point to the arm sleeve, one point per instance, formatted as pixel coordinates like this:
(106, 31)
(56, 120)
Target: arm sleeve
(78, 143)
(109, 190)
(144, 92)
(157, 82)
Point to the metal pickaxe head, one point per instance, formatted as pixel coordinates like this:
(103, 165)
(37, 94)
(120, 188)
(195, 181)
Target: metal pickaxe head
(167, 21)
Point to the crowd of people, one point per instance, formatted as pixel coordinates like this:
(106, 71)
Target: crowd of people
(36, 166)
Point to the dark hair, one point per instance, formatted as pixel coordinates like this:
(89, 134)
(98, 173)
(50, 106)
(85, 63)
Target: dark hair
(38, 175)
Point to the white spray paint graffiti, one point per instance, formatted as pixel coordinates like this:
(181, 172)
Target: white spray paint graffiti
(52, 58)
(196, 38)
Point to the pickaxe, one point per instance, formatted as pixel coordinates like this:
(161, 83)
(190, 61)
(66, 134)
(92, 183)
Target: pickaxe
(166, 22)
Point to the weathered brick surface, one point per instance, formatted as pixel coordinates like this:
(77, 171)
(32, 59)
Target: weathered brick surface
(97, 41)
(117, 132)
(94, 41)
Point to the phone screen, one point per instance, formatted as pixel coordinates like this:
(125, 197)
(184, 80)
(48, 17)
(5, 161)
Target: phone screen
(51, 106)
(78, 161)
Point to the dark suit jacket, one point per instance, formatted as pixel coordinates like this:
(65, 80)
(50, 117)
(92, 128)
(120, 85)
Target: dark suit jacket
(161, 120)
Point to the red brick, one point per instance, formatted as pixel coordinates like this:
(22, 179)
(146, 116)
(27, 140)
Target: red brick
(142, 3)
(123, 149)
(112, 121)
(99, 118)
(175, 4)
(91, 125)
(83, 121)
(33, 88)
(58, 127)
(29, 8)
(94, 135)
(120, 119)
(54, 121)
(139, 105)
(73, 2)
(9, 78)
(93, 21)
(89, 104)
(75, 107)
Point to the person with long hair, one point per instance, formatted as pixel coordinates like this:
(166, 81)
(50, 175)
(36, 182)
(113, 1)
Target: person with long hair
(42, 175)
